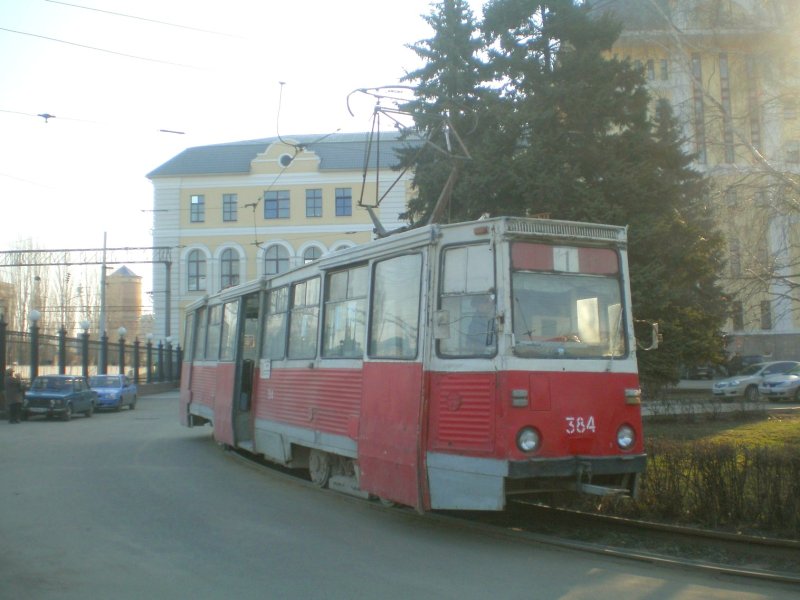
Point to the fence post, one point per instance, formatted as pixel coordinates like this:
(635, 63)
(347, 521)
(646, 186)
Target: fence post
(136, 361)
(122, 331)
(103, 366)
(62, 351)
(85, 349)
(3, 326)
(34, 317)
(169, 359)
(149, 358)
(160, 360)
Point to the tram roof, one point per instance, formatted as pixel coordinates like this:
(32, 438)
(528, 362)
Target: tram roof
(338, 151)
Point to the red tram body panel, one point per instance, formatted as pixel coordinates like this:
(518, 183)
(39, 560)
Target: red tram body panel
(444, 368)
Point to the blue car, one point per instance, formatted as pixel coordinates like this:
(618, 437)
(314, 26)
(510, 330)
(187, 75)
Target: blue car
(59, 396)
(114, 391)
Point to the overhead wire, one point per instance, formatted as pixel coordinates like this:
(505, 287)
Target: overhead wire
(127, 16)
(114, 52)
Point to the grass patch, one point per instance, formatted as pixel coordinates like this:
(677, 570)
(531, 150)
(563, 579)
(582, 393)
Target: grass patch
(753, 431)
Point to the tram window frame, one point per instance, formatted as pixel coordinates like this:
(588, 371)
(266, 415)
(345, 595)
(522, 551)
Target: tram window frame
(463, 305)
(214, 334)
(304, 319)
(188, 335)
(277, 305)
(230, 319)
(345, 296)
(394, 347)
(202, 334)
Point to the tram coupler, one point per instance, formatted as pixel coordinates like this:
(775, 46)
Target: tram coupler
(583, 485)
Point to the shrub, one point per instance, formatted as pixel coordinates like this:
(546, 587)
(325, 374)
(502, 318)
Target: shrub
(723, 486)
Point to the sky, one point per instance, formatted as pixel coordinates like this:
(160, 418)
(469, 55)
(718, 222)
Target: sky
(120, 76)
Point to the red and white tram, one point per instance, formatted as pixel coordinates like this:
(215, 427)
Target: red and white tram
(445, 367)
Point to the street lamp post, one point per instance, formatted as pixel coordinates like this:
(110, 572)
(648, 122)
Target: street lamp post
(34, 317)
(62, 350)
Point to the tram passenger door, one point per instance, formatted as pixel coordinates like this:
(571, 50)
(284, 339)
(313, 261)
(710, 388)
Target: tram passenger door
(390, 429)
(244, 382)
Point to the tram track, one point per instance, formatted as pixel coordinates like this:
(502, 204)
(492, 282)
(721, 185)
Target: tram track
(752, 557)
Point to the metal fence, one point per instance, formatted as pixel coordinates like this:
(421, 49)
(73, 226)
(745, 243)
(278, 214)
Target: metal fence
(32, 354)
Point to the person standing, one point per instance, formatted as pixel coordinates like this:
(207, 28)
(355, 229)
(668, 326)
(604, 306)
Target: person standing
(13, 391)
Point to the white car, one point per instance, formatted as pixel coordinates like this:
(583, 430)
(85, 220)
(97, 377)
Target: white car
(783, 386)
(746, 383)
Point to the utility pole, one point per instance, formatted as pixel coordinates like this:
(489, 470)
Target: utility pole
(103, 289)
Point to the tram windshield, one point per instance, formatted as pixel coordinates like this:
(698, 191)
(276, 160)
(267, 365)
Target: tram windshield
(567, 302)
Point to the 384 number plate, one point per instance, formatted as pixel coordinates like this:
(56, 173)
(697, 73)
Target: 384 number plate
(580, 425)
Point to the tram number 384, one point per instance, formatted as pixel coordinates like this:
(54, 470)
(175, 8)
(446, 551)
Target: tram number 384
(580, 425)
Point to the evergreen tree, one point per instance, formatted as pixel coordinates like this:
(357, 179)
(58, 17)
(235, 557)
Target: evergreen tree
(563, 129)
(452, 110)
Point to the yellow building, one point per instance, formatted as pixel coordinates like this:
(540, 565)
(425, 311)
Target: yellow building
(234, 212)
(731, 70)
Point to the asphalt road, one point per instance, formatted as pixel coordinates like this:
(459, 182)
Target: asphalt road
(131, 505)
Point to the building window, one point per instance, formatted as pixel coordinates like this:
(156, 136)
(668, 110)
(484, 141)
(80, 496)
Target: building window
(314, 203)
(735, 259)
(196, 269)
(766, 315)
(344, 202)
(229, 269)
(664, 69)
(311, 254)
(230, 207)
(651, 70)
(790, 109)
(276, 204)
(276, 260)
(699, 109)
(754, 112)
(725, 94)
(793, 152)
(197, 209)
(737, 315)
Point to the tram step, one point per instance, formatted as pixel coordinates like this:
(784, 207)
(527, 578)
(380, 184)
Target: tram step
(347, 485)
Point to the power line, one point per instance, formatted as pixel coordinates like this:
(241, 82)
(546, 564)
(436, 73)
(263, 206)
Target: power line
(143, 19)
(155, 60)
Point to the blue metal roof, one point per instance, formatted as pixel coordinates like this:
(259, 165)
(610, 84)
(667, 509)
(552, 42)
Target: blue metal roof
(338, 151)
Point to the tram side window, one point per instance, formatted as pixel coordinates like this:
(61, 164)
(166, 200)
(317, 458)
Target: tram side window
(304, 319)
(275, 330)
(345, 314)
(188, 336)
(228, 332)
(468, 302)
(200, 346)
(394, 320)
(214, 332)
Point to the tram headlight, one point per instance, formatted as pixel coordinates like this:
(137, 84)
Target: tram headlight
(528, 439)
(626, 437)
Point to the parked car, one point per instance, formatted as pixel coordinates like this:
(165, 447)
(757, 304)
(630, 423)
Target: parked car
(59, 395)
(782, 386)
(746, 383)
(114, 391)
